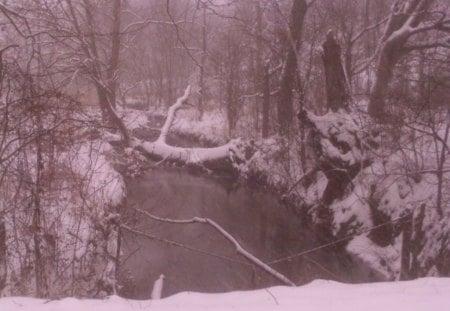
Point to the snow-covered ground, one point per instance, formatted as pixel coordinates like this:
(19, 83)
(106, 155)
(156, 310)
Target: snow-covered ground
(421, 294)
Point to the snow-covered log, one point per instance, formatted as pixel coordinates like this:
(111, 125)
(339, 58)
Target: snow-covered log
(233, 150)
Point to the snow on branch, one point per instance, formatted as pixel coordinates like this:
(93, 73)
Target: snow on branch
(233, 150)
(229, 237)
(171, 114)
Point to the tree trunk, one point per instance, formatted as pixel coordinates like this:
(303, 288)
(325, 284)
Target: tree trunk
(390, 54)
(231, 104)
(232, 84)
(260, 70)
(201, 101)
(404, 21)
(285, 106)
(266, 103)
(110, 115)
(3, 270)
(335, 79)
(39, 262)
(115, 52)
(406, 260)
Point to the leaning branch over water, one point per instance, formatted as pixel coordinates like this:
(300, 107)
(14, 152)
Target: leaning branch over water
(229, 237)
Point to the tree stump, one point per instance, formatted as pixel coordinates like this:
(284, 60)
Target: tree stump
(335, 78)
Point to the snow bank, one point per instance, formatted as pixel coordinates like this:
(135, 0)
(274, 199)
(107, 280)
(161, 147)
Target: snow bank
(418, 295)
(277, 161)
(81, 189)
(211, 129)
(105, 185)
(133, 118)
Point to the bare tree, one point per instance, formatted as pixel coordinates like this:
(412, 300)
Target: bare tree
(407, 21)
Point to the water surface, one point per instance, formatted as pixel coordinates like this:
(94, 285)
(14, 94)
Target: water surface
(206, 261)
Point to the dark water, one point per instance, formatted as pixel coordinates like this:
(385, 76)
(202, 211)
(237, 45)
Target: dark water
(255, 218)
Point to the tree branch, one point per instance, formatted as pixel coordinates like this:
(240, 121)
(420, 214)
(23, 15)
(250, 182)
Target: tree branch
(416, 47)
(171, 114)
(160, 149)
(358, 35)
(229, 237)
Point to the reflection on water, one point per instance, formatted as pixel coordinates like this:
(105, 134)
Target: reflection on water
(208, 262)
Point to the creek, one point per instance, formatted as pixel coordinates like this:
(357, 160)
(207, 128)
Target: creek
(203, 260)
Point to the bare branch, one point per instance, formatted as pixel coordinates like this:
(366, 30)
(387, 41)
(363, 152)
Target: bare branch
(175, 25)
(371, 27)
(229, 237)
(416, 47)
(171, 114)
(136, 26)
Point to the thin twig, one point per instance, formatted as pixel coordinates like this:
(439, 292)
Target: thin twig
(273, 296)
(333, 242)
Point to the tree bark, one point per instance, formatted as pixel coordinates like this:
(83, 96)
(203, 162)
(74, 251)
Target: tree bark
(39, 262)
(201, 101)
(109, 114)
(391, 53)
(3, 269)
(406, 260)
(263, 75)
(112, 72)
(232, 84)
(266, 104)
(335, 79)
(285, 106)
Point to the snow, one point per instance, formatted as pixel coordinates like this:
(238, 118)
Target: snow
(190, 155)
(393, 179)
(417, 295)
(385, 260)
(212, 128)
(158, 288)
(104, 181)
(85, 186)
(133, 118)
(279, 162)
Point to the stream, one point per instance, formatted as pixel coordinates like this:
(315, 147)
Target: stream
(202, 259)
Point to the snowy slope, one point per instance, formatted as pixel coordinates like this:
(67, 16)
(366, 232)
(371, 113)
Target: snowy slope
(422, 294)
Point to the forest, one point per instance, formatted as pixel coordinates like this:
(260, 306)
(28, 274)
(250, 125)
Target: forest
(339, 109)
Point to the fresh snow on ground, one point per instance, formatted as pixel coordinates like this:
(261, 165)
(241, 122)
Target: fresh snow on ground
(212, 128)
(422, 294)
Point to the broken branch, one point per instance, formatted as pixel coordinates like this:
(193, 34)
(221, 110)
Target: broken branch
(229, 237)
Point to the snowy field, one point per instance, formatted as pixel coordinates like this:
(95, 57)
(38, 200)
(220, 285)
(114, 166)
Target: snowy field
(423, 294)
